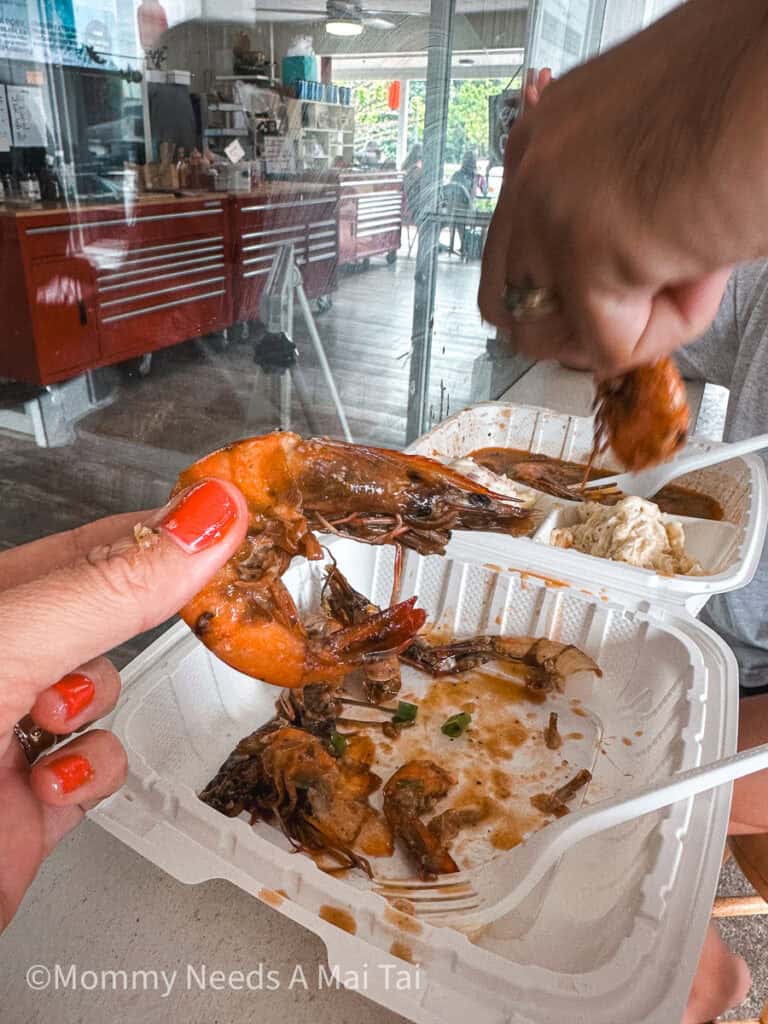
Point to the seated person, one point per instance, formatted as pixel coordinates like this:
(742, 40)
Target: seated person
(467, 175)
(734, 354)
(413, 166)
(459, 198)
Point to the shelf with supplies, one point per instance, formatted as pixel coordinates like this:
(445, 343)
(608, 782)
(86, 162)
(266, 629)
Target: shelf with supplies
(326, 103)
(218, 132)
(337, 131)
(271, 83)
(329, 128)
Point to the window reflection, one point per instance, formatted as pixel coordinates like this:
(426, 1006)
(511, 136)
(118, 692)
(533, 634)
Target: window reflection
(219, 219)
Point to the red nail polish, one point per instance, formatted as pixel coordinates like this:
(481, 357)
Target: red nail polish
(77, 692)
(201, 517)
(71, 771)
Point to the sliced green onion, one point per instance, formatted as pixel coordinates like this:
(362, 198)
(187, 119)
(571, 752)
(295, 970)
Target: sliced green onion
(455, 725)
(405, 712)
(339, 743)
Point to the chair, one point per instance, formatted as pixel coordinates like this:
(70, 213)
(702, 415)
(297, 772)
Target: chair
(456, 203)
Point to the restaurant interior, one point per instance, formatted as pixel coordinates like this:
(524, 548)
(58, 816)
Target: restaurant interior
(223, 217)
(148, 188)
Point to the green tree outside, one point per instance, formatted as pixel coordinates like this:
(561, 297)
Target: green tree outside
(467, 116)
(374, 121)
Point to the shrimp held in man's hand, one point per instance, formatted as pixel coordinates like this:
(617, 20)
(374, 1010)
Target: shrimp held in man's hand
(643, 415)
(292, 487)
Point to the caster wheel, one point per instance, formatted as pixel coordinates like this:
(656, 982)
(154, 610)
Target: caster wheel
(365, 265)
(140, 366)
(324, 303)
(392, 256)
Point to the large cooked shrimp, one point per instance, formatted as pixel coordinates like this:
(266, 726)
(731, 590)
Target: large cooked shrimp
(411, 792)
(320, 800)
(547, 664)
(643, 415)
(292, 486)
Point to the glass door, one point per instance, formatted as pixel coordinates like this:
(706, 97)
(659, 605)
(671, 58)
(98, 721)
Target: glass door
(473, 95)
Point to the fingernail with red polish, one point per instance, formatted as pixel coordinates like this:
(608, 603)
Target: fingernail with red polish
(201, 516)
(71, 771)
(76, 690)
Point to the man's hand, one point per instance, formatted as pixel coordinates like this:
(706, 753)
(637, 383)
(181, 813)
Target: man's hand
(632, 186)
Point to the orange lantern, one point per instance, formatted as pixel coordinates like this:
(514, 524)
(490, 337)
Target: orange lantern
(393, 97)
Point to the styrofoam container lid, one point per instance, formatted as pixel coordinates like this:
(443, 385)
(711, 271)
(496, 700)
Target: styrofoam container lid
(729, 550)
(614, 931)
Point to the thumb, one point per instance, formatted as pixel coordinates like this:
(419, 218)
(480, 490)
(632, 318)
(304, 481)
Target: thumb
(52, 625)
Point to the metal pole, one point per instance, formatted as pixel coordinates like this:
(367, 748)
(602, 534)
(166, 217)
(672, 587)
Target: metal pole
(284, 400)
(402, 123)
(439, 50)
(320, 353)
(149, 149)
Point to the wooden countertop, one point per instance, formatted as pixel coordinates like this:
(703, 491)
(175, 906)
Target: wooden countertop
(267, 189)
(48, 209)
(146, 200)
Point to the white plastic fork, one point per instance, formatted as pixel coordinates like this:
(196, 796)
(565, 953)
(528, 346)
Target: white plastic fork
(650, 481)
(474, 899)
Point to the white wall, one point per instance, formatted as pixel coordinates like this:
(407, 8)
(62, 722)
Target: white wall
(625, 17)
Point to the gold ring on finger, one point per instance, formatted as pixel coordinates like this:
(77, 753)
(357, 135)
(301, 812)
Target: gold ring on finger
(526, 302)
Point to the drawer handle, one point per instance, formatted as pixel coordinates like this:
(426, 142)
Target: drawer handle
(82, 313)
(162, 305)
(176, 266)
(161, 291)
(125, 266)
(121, 253)
(125, 221)
(143, 279)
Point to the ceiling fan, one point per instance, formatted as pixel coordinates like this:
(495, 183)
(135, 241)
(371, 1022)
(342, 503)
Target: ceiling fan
(346, 17)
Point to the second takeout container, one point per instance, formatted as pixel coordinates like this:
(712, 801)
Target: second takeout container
(730, 550)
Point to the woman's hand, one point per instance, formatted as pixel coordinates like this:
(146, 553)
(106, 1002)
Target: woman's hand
(63, 601)
(632, 186)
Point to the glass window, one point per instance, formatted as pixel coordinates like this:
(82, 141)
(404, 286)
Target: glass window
(219, 220)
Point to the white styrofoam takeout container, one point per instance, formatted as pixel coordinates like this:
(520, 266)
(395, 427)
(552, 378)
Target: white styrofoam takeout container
(729, 550)
(613, 933)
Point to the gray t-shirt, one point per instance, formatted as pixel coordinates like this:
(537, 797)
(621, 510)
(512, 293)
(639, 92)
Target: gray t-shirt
(734, 353)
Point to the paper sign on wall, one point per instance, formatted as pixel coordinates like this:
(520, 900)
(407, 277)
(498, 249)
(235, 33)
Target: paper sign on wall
(5, 122)
(235, 151)
(559, 34)
(27, 115)
(279, 155)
